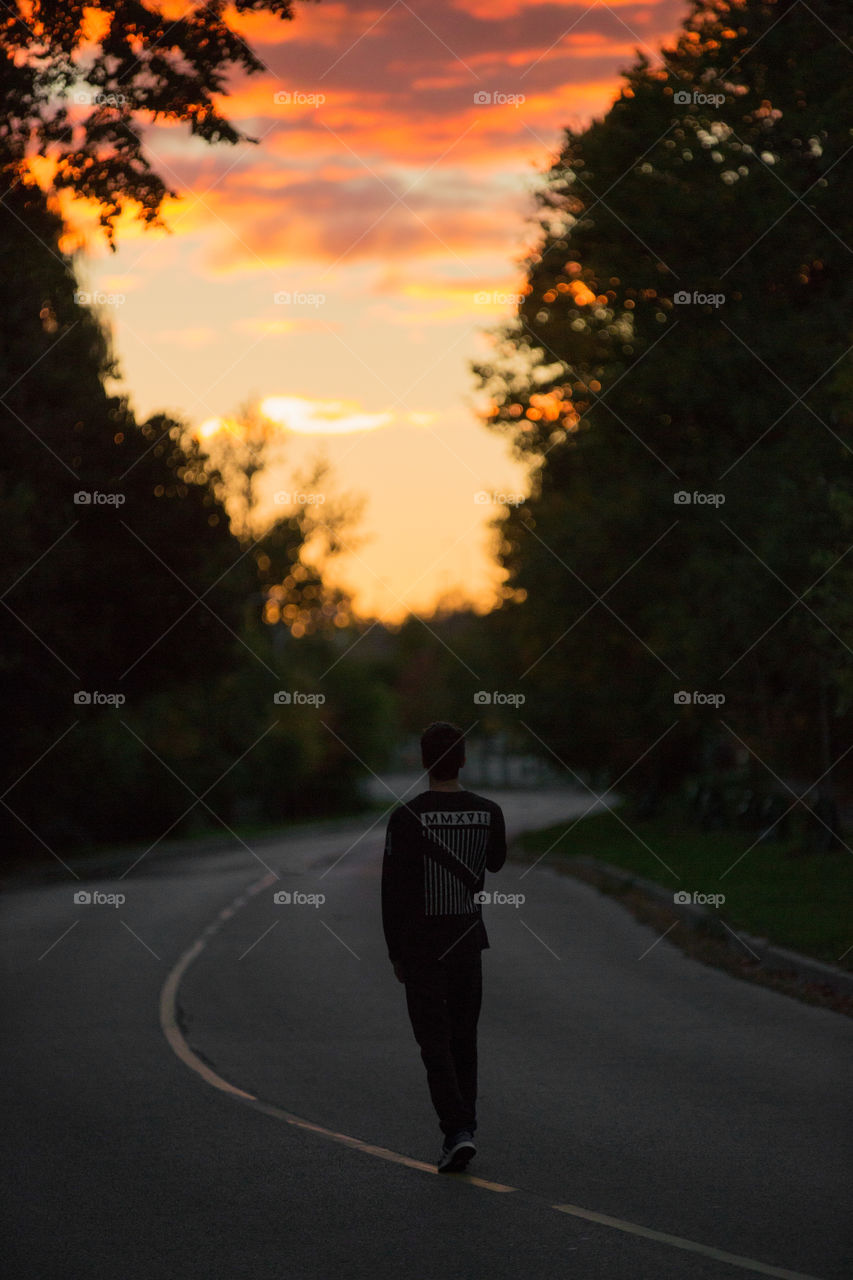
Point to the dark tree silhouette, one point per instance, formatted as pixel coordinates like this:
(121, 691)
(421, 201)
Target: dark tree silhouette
(685, 328)
(81, 78)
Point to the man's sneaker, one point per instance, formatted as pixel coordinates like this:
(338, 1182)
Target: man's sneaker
(456, 1152)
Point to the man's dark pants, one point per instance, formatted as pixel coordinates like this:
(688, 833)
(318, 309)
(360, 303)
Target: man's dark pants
(443, 998)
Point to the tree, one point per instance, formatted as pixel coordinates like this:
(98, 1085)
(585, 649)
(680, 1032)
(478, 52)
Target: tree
(686, 302)
(294, 545)
(130, 575)
(81, 78)
(147, 592)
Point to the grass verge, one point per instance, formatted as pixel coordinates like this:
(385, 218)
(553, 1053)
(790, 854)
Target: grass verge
(792, 898)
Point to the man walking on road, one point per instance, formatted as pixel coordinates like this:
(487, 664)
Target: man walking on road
(438, 847)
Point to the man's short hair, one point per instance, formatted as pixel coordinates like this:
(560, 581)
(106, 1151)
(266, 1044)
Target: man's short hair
(443, 750)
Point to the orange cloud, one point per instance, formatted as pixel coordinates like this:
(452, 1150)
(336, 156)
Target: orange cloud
(304, 226)
(322, 417)
(191, 339)
(435, 299)
(496, 9)
(280, 328)
(331, 26)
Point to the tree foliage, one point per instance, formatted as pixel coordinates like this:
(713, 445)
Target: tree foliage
(147, 625)
(81, 79)
(685, 329)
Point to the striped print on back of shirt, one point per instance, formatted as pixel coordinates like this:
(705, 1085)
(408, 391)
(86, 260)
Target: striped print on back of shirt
(444, 893)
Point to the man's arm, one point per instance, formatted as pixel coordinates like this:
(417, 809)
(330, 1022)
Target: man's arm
(393, 890)
(496, 851)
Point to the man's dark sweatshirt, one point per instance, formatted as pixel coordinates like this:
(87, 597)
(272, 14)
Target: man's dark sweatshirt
(426, 909)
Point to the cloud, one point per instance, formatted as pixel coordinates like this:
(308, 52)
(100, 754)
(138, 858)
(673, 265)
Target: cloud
(379, 151)
(342, 223)
(307, 415)
(191, 339)
(640, 14)
(332, 26)
(322, 417)
(280, 328)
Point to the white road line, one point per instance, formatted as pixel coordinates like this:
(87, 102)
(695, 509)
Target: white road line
(175, 1037)
(678, 1242)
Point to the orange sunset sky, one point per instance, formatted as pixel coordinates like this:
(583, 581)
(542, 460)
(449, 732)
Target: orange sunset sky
(343, 270)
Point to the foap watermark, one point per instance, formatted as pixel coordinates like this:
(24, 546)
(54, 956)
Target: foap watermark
(297, 298)
(696, 98)
(100, 99)
(95, 498)
(94, 698)
(485, 98)
(682, 898)
(95, 898)
(97, 298)
(682, 498)
(298, 98)
(483, 698)
(684, 298)
(485, 298)
(483, 498)
(292, 697)
(499, 899)
(286, 898)
(685, 699)
(298, 498)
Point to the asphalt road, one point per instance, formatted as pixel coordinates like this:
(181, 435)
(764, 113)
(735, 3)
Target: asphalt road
(202, 1082)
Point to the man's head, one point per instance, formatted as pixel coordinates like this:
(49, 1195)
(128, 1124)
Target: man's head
(443, 750)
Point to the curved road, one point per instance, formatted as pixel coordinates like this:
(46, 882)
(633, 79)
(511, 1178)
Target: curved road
(641, 1115)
